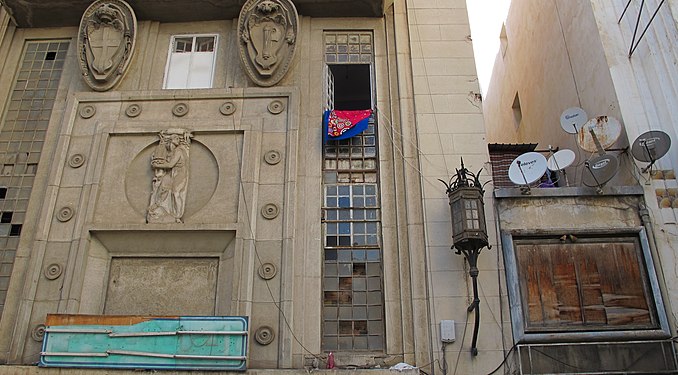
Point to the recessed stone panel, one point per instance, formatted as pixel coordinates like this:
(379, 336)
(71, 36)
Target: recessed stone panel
(162, 286)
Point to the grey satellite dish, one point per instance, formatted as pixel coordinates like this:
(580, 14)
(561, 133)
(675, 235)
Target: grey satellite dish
(650, 147)
(572, 119)
(599, 170)
(599, 133)
(527, 168)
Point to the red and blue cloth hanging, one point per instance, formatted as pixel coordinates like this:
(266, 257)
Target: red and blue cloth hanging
(344, 124)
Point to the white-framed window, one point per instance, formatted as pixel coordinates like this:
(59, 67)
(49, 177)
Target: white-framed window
(191, 60)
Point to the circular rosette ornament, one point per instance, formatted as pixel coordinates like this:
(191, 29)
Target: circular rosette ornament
(267, 33)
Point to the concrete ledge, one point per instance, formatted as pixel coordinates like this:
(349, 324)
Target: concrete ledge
(577, 191)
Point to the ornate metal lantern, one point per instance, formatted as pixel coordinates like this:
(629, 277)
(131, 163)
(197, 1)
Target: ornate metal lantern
(468, 217)
(469, 232)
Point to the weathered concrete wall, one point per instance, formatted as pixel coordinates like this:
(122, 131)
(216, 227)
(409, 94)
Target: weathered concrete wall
(546, 213)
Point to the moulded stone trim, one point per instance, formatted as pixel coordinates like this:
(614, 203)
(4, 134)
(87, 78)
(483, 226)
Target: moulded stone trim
(53, 271)
(87, 111)
(133, 110)
(227, 108)
(267, 271)
(76, 160)
(264, 335)
(276, 107)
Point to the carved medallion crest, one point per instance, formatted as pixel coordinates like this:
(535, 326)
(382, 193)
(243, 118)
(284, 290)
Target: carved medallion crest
(267, 31)
(106, 42)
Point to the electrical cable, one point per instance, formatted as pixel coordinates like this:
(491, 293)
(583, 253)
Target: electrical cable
(463, 336)
(557, 360)
(254, 247)
(508, 354)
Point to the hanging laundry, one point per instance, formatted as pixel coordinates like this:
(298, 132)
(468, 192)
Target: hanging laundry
(344, 124)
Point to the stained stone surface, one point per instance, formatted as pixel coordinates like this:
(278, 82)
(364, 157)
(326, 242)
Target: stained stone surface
(161, 286)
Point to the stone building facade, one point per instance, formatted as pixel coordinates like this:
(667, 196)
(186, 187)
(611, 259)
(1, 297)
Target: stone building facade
(167, 158)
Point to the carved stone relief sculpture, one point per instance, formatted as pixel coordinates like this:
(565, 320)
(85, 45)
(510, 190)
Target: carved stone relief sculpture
(169, 162)
(267, 31)
(106, 42)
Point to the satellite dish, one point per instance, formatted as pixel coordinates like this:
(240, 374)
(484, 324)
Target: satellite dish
(572, 119)
(599, 133)
(599, 170)
(650, 147)
(527, 168)
(560, 160)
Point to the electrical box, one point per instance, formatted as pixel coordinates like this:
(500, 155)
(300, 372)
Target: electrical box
(447, 333)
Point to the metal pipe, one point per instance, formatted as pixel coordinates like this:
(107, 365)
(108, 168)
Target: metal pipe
(66, 354)
(475, 306)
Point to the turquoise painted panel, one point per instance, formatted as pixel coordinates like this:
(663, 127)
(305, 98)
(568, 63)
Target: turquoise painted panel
(184, 343)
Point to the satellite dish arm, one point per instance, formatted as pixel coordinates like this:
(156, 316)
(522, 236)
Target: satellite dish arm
(599, 147)
(651, 156)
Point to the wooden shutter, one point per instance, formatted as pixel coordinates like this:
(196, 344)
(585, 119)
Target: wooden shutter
(591, 283)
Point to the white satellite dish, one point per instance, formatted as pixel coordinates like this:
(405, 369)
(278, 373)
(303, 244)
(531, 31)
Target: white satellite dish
(599, 133)
(572, 119)
(527, 168)
(560, 160)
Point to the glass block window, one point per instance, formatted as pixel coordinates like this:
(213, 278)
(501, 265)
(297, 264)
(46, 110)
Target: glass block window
(21, 138)
(191, 61)
(353, 47)
(353, 299)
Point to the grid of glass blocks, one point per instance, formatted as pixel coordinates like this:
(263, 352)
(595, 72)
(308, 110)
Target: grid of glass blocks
(351, 215)
(21, 140)
(353, 300)
(348, 47)
(352, 160)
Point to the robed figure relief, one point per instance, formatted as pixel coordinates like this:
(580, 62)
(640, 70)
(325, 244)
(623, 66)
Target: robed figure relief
(267, 31)
(106, 42)
(169, 162)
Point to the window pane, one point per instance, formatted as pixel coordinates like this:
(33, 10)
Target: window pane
(204, 44)
(177, 71)
(200, 75)
(183, 45)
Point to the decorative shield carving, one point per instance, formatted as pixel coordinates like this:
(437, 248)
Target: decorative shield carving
(106, 42)
(267, 31)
